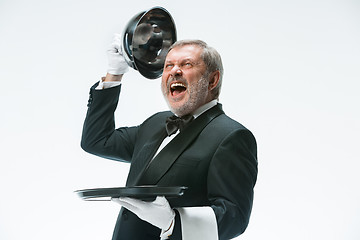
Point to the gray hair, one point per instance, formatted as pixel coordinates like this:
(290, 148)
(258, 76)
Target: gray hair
(211, 58)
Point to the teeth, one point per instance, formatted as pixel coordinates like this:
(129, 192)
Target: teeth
(173, 85)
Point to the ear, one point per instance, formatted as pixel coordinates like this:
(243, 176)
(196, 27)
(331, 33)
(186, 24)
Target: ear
(214, 79)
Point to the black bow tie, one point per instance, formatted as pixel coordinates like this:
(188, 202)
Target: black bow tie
(174, 123)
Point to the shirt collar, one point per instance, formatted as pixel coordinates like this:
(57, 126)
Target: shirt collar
(204, 108)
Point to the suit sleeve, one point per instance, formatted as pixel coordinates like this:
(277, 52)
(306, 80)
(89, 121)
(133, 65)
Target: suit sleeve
(231, 179)
(99, 135)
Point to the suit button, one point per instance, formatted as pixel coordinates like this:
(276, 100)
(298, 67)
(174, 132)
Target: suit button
(89, 101)
(125, 216)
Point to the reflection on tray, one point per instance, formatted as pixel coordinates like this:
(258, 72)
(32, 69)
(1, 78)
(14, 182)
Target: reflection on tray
(146, 193)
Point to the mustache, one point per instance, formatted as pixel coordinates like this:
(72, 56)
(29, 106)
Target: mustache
(176, 79)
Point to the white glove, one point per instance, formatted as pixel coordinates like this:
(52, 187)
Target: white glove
(157, 213)
(117, 63)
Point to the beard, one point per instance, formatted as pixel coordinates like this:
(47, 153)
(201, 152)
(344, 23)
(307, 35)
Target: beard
(198, 93)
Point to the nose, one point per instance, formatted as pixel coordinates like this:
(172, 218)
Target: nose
(176, 71)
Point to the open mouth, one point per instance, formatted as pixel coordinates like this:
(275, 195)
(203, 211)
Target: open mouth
(177, 88)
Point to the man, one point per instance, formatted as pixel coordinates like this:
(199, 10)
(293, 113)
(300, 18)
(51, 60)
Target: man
(213, 155)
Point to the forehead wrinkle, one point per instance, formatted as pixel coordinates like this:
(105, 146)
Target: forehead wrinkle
(184, 52)
(181, 59)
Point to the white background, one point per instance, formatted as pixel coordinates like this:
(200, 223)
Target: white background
(291, 76)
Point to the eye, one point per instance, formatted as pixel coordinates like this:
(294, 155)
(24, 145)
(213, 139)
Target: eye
(169, 65)
(187, 64)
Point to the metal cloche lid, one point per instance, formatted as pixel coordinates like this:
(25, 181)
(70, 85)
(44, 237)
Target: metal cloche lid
(147, 39)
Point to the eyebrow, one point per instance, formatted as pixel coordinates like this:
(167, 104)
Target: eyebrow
(182, 60)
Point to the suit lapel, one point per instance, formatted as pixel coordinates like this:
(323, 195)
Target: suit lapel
(166, 158)
(141, 161)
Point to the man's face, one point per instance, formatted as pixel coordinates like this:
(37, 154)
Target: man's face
(184, 85)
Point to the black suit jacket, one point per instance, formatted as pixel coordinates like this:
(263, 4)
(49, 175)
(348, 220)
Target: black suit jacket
(215, 157)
